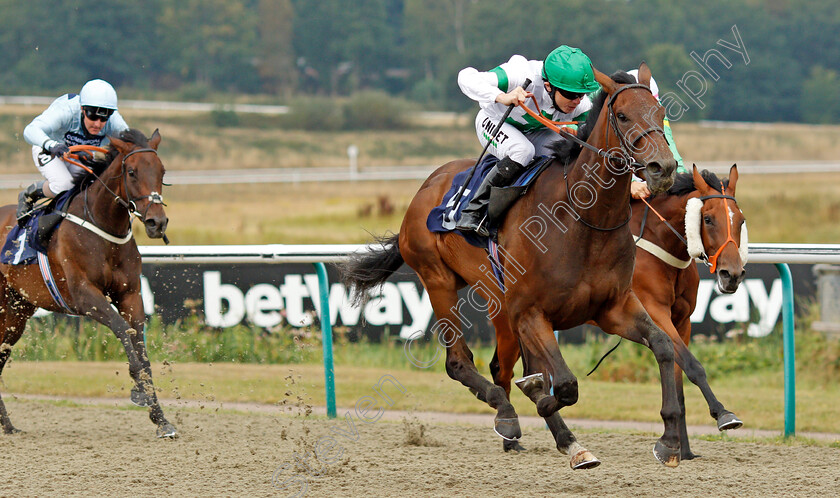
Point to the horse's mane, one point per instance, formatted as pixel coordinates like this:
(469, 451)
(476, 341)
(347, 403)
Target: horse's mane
(131, 135)
(684, 183)
(567, 151)
(99, 166)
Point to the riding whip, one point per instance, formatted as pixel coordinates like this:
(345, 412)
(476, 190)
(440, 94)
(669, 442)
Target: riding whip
(495, 132)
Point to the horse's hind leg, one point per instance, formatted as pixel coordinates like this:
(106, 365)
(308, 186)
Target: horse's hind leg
(543, 361)
(14, 313)
(504, 358)
(459, 360)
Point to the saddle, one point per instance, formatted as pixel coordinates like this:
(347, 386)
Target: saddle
(444, 217)
(23, 243)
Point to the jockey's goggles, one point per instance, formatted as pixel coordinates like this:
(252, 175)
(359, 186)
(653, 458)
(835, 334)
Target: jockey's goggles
(97, 113)
(570, 95)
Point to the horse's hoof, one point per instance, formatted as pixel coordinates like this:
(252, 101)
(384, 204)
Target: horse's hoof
(532, 385)
(584, 460)
(728, 421)
(167, 430)
(140, 398)
(669, 457)
(507, 428)
(11, 430)
(512, 446)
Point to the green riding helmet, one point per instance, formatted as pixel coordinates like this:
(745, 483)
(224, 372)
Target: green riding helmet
(569, 69)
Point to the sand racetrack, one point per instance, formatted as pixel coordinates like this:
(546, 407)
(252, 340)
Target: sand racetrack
(69, 449)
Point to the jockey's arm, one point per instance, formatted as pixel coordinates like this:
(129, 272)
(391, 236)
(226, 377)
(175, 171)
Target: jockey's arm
(499, 85)
(479, 86)
(54, 121)
(669, 137)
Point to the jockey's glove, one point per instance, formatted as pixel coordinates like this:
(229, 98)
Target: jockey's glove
(59, 149)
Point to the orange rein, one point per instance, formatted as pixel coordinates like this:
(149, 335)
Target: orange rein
(72, 157)
(551, 125)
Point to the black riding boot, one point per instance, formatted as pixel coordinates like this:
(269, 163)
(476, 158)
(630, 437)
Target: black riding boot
(28, 198)
(474, 215)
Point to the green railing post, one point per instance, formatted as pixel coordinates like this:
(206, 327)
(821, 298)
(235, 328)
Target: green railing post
(789, 350)
(326, 331)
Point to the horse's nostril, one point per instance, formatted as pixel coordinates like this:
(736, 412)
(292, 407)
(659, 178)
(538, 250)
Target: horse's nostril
(724, 274)
(654, 169)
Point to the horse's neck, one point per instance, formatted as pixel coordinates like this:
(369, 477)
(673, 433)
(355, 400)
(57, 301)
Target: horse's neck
(590, 175)
(99, 206)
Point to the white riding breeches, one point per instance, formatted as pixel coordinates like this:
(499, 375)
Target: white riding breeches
(60, 175)
(510, 142)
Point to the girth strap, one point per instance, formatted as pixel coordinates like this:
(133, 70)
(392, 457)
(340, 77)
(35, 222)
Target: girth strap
(49, 281)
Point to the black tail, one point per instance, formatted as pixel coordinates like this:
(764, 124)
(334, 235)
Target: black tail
(371, 268)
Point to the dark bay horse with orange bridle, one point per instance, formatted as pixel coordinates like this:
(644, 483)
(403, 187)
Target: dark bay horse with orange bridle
(95, 263)
(568, 256)
(665, 279)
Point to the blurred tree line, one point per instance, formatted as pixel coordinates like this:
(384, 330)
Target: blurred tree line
(414, 48)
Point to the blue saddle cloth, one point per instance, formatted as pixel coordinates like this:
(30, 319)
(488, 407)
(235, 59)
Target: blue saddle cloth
(24, 243)
(444, 217)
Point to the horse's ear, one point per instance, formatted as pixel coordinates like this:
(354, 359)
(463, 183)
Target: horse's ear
(644, 74)
(119, 144)
(605, 81)
(733, 179)
(154, 141)
(699, 183)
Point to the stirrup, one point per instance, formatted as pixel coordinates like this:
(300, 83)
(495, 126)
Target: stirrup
(469, 224)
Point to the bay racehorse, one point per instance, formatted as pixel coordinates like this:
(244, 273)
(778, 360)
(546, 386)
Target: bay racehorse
(568, 256)
(703, 208)
(699, 219)
(95, 263)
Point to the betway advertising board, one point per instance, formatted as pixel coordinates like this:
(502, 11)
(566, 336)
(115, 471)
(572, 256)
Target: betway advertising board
(278, 295)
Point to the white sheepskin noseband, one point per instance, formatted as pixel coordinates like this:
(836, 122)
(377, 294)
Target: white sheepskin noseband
(692, 228)
(693, 217)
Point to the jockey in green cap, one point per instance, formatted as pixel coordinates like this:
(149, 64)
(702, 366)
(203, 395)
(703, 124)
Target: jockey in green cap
(560, 85)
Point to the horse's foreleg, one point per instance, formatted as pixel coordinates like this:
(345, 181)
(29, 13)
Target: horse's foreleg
(98, 308)
(662, 316)
(143, 393)
(545, 369)
(630, 320)
(695, 372)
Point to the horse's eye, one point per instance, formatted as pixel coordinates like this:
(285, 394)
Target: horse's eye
(707, 219)
(130, 173)
(621, 117)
